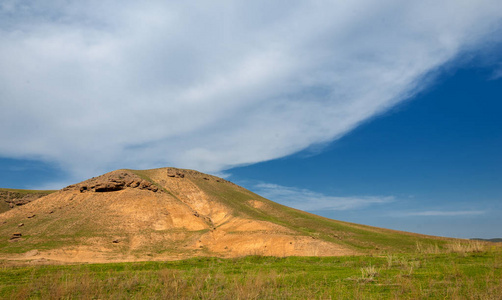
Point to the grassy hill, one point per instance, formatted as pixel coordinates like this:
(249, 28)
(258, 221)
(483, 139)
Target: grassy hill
(169, 214)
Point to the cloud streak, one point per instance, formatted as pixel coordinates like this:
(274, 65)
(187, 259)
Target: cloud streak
(105, 84)
(312, 201)
(441, 213)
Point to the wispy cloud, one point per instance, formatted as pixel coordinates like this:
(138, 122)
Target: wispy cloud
(497, 73)
(444, 213)
(312, 201)
(97, 85)
(222, 174)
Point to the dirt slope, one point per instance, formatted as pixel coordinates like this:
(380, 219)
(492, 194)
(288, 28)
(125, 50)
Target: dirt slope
(169, 213)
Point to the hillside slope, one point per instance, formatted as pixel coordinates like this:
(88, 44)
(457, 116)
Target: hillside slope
(169, 213)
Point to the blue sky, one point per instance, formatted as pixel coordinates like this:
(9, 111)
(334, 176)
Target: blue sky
(430, 165)
(384, 114)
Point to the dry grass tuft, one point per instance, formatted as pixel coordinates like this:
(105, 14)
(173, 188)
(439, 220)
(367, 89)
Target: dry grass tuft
(466, 247)
(458, 246)
(369, 273)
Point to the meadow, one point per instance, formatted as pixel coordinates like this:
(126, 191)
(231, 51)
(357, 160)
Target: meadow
(458, 271)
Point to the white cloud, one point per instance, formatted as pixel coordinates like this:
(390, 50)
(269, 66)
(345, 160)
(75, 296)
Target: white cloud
(99, 85)
(312, 201)
(441, 213)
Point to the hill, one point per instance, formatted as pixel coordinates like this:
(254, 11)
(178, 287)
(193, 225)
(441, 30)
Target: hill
(494, 240)
(168, 213)
(10, 198)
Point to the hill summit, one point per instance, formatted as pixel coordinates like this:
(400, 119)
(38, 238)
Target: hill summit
(169, 213)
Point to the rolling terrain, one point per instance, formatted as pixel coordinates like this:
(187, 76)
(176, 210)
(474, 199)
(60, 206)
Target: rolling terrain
(171, 214)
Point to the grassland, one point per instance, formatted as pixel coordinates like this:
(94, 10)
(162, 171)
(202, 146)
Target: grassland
(457, 272)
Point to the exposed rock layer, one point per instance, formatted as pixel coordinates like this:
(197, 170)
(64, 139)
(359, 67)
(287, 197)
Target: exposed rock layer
(113, 181)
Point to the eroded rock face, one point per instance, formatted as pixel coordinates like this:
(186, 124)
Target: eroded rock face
(114, 181)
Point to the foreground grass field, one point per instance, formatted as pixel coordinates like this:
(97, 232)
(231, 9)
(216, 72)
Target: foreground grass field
(457, 273)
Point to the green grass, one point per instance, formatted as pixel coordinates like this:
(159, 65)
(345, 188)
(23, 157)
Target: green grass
(452, 275)
(4, 206)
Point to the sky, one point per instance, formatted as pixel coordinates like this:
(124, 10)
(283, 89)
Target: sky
(383, 113)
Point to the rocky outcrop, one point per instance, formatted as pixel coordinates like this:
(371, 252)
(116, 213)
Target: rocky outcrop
(16, 236)
(114, 181)
(175, 173)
